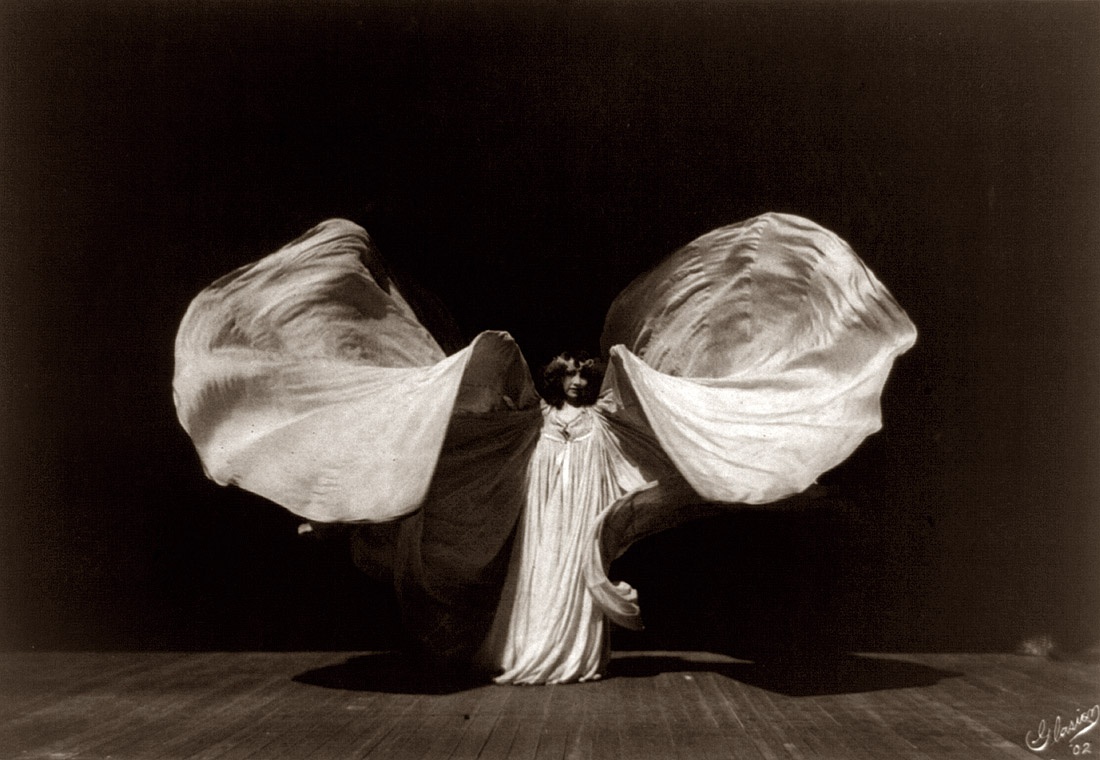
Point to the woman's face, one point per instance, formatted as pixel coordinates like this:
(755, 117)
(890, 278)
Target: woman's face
(574, 384)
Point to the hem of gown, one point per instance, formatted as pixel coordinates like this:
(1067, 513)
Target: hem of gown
(505, 681)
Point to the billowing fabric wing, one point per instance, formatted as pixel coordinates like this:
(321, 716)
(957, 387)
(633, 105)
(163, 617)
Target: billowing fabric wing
(756, 355)
(307, 379)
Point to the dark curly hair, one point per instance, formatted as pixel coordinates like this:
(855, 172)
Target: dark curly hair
(592, 369)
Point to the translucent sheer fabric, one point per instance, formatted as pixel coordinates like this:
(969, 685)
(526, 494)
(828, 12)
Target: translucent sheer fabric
(741, 368)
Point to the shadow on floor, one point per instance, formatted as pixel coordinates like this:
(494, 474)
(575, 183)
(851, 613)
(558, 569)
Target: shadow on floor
(392, 673)
(404, 673)
(802, 677)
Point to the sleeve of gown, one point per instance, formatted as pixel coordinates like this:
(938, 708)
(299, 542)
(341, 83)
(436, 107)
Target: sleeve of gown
(757, 355)
(306, 378)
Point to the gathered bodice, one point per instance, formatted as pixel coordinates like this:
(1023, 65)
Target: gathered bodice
(567, 424)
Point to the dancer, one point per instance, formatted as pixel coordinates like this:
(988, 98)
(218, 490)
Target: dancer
(738, 370)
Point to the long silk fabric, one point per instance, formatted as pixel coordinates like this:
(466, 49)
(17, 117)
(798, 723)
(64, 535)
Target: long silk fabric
(756, 355)
(741, 368)
(306, 378)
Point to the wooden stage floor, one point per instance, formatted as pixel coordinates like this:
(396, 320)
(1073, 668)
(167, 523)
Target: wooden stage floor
(272, 705)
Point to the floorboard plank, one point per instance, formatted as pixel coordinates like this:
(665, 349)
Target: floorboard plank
(256, 706)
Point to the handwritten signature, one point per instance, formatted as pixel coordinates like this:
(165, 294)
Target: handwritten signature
(1049, 734)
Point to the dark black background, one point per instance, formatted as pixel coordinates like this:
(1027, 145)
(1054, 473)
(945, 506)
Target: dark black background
(524, 163)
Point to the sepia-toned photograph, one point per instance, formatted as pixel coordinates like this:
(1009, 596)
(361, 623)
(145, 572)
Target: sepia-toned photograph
(553, 379)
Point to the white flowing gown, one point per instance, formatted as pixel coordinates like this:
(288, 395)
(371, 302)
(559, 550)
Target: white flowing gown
(548, 627)
(741, 368)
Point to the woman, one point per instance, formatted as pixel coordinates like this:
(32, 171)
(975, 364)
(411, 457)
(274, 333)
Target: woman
(548, 628)
(740, 368)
